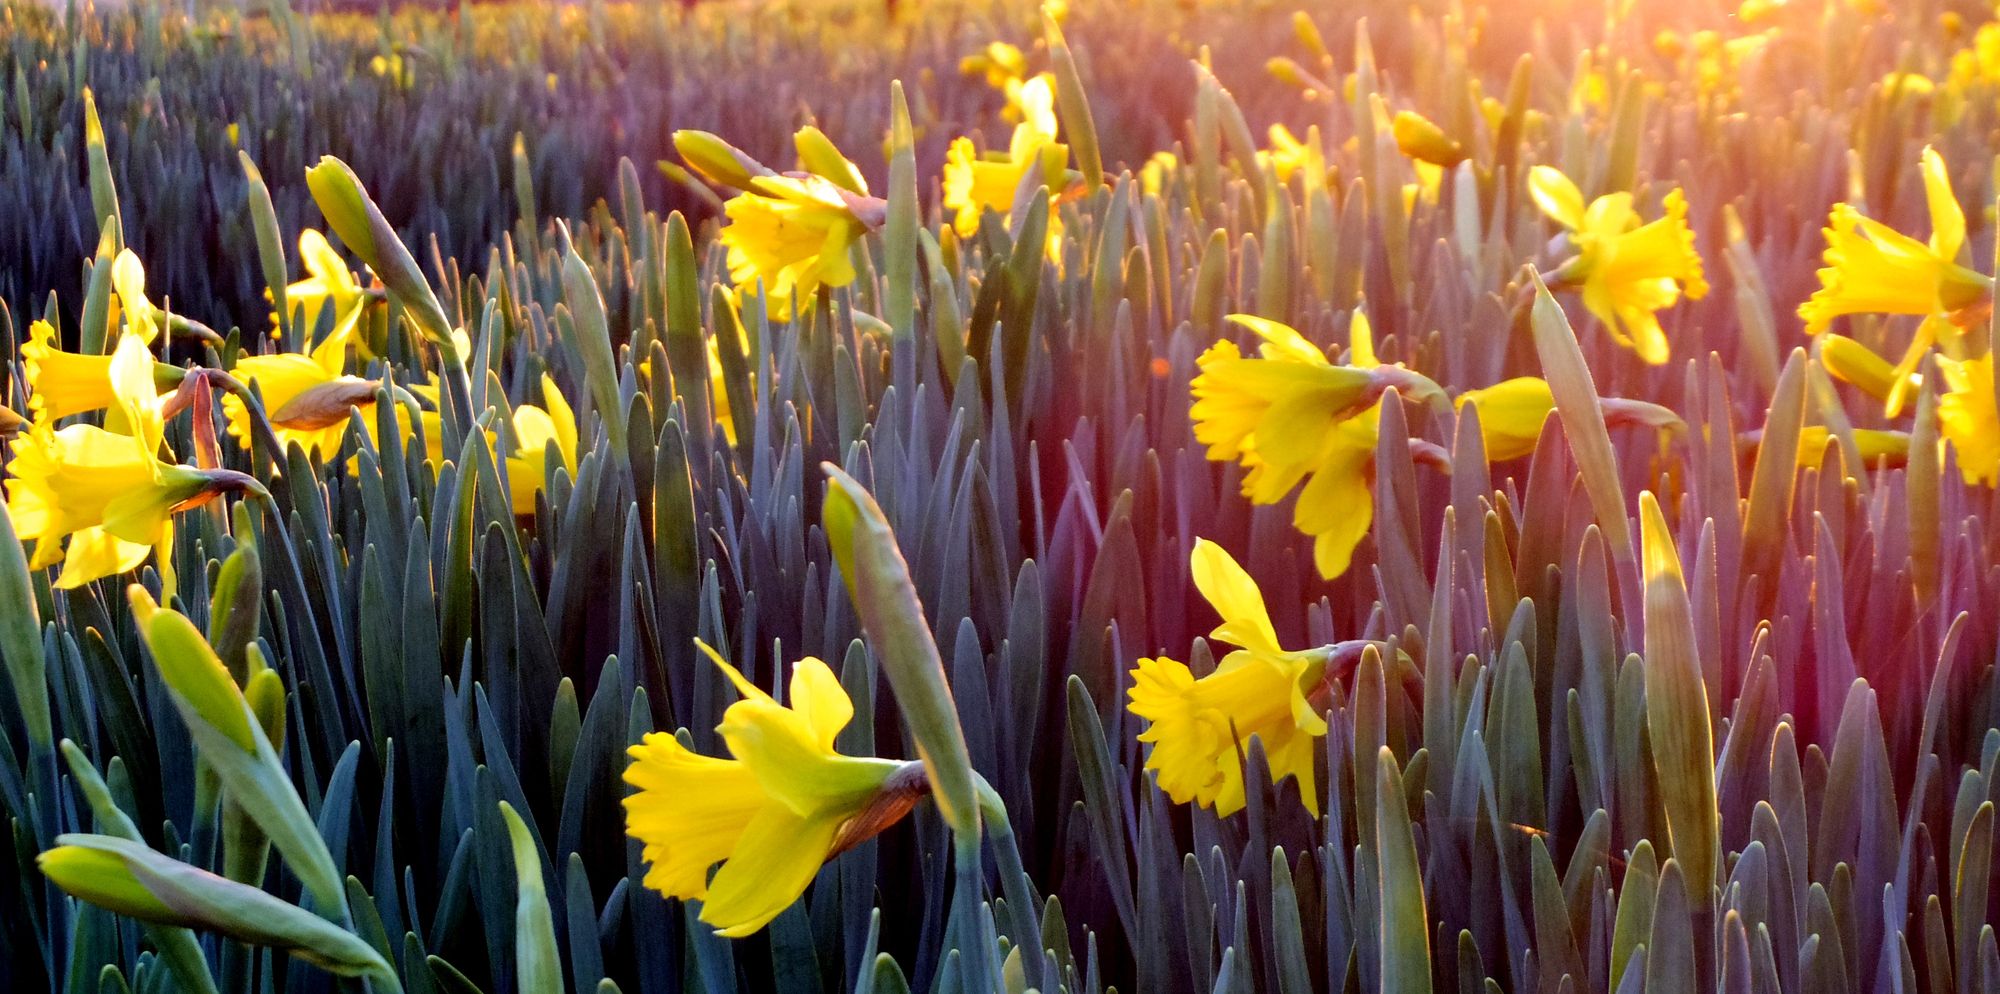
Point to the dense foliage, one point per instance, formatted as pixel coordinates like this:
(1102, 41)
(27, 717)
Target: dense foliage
(1677, 674)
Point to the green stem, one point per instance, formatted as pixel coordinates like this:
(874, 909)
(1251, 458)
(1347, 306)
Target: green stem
(1023, 907)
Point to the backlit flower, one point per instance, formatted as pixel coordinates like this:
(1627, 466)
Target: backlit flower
(97, 500)
(1199, 728)
(791, 234)
(536, 429)
(306, 397)
(975, 183)
(1293, 417)
(1872, 268)
(771, 816)
(64, 383)
(329, 285)
(1627, 270)
(1969, 418)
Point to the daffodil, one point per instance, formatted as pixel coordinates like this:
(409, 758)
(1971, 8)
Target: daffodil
(975, 183)
(100, 501)
(1287, 153)
(536, 429)
(718, 393)
(1872, 268)
(1154, 174)
(1628, 270)
(137, 315)
(772, 815)
(792, 234)
(1876, 446)
(1199, 728)
(1293, 417)
(306, 397)
(64, 383)
(1032, 102)
(999, 62)
(1969, 418)
(1511, 413)
(1422, 140)
(329, 285)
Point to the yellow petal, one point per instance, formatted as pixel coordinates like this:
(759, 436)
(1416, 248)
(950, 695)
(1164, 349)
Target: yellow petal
(1556, 196)
(1947, 218)
(818, 697)
(688, 812)
(1511, 413)
(778, 854)
(1229, 589)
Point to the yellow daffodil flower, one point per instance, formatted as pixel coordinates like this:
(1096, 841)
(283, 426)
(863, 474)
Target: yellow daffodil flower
(975, 183)
(718, 392)
(1511, 413)
(535, 428)
(1032, 102)
(1153, 175)
(100, 501)
(1872, 268)
(306, 396)
(1628, 270)
(1292, 416)
(136, 314)
(999, 62)
(1423, 141)
(1969, 418)
(329, 285)
(1877, 447)
(1199, 728)
(792, 234)
(64, 383)
(1287, 154)
(771, 816)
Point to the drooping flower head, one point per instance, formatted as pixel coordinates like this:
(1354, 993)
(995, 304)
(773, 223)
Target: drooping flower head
(1628, 270)
(1511, 414)
(1199, 728)
(772, 815)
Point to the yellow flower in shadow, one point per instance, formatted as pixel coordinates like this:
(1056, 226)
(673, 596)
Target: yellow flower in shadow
(536, 431)
(772, 815)
(1627, 270)
(1199, 728)
(306, 397)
